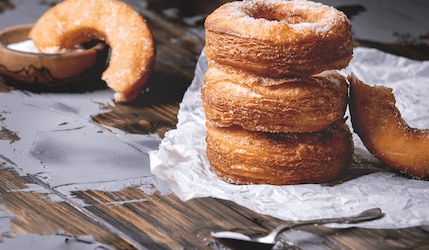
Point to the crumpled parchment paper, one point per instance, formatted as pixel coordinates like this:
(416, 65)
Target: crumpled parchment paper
(182, 164)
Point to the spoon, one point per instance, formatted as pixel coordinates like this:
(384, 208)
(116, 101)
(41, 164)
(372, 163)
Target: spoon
(238, 240)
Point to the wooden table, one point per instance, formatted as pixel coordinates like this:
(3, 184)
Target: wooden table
(163, 221)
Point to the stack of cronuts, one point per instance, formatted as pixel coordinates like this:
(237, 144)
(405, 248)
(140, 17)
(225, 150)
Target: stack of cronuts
(272, 97)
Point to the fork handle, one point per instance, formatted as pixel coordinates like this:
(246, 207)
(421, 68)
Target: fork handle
(348, 220)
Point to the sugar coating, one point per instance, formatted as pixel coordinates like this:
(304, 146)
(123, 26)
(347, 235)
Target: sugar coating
(120, 26)
(297, 16)
(28, 46)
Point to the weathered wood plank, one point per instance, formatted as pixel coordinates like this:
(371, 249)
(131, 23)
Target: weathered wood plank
(418, 52)
(163, 221)
(36, 214)
(153, 119)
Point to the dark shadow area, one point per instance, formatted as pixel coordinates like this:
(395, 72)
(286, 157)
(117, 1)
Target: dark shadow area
(185, 12)
(5, 5)
(154, 111)
(161, 88)
(351, 10)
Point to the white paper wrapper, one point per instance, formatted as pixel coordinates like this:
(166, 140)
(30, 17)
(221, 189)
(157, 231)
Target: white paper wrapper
(182, 164)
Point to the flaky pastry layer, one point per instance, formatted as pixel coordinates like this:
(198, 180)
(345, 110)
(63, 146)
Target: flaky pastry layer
(240, 156)
(277, 38)
(293, 105)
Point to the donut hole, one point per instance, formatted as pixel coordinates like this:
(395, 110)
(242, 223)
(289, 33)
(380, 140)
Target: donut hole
(294, 17)
(267, 14)
(81, 36)
(291, 16)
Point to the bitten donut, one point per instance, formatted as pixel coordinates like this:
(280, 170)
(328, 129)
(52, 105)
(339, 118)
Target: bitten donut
(73, 22)
(386, 135)
(276, 38)
(240, 156)
(296, 105)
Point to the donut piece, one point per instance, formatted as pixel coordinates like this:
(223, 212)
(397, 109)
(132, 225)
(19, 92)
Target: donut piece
(240, 156)
(73, 22)
(379, 124)
(276, 38)
(296, 105)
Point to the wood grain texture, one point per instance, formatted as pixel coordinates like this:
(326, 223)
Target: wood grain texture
(133, 219)
(165, 222)
(37, 214)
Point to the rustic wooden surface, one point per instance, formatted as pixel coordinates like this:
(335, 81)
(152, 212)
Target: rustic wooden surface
(163, 221)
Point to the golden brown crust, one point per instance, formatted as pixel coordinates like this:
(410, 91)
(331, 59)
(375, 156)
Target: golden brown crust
(294, 105)
(379, 124)
(273, 103)
(279, 38)
(123, 29)
(240, 156)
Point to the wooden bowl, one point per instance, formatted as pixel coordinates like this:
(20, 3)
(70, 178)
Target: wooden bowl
(49, 71)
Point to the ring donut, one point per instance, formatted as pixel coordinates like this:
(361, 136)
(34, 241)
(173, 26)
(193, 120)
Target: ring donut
(296, 105)
(379, 124)
(123, 29)
(241, 156)
(276, 38)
